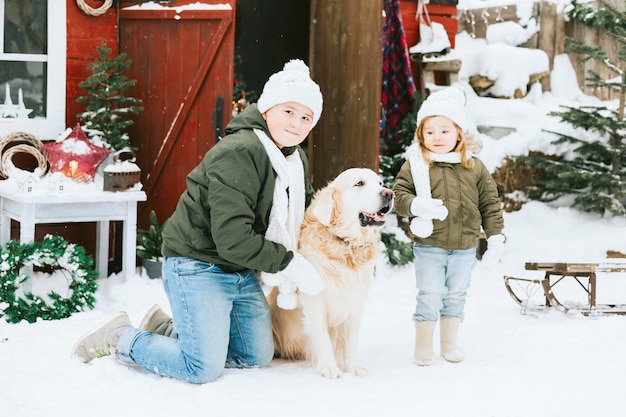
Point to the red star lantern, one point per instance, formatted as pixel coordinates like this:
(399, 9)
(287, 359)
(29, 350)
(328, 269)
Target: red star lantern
(75, 156)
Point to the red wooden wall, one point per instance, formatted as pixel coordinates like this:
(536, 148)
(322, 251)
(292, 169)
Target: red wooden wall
(84, 34)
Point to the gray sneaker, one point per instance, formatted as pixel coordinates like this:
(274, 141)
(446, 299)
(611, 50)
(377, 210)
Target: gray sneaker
(157, 321)
(102, 340)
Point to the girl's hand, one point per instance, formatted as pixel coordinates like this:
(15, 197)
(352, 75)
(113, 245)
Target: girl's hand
(428, 208)
(495, 249)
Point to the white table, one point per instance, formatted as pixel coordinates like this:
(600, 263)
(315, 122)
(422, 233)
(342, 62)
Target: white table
(30, 209)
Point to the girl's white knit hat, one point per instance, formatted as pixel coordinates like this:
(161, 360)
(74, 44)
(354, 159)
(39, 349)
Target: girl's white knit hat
(293, 83)
(449, 102)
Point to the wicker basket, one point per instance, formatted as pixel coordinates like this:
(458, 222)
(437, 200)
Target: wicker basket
(19, 144)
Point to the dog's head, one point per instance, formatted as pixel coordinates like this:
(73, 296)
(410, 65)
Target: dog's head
(354, 200)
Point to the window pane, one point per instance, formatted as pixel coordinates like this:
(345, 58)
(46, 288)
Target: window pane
(29, 77)
(25, 26)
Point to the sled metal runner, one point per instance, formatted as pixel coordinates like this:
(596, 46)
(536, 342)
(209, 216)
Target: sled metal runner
(585, 274)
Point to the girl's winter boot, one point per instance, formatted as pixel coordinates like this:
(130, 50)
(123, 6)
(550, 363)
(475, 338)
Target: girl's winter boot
(424, 354)
(449, 330)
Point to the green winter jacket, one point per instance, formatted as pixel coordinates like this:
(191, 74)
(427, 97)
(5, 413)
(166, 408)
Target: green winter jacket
(470, 195)
(222, 216)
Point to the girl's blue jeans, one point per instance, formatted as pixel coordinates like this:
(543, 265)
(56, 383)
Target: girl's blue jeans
(221, 320)
(442, 278)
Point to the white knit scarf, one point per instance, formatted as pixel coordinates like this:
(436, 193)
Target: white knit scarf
(421, 180)
(288, 206)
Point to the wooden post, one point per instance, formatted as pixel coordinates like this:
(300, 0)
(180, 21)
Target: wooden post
(547, 36)
(346, 61)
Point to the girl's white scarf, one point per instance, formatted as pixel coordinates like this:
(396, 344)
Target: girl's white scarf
(420, 171)
(287, 210)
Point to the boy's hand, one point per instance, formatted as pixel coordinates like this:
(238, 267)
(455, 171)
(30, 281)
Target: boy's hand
(302, 272)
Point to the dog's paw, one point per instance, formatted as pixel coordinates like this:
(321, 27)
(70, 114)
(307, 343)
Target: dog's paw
(358, 369)
(329, 371)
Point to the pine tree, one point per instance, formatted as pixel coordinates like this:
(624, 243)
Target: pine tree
(399, 252)
(592, 169)
(150, 240)
(108, 109)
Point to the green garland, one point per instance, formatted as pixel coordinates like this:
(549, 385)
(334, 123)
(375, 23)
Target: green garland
(53, 252)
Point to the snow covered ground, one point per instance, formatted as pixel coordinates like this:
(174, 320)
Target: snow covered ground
(519, 363)
(538, 364)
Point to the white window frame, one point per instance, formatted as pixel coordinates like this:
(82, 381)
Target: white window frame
(53, 124)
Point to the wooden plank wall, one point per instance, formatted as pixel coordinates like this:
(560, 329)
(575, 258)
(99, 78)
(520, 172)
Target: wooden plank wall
(81, 49)
(551, 38)
(476, 21)
(346, 61)
(593, 36)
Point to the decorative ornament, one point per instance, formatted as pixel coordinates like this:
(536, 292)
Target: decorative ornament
(8, 110)
(240, 105)
(75, 156)
(123, 173)
(54, 252)
(87, 9)
(22, 144)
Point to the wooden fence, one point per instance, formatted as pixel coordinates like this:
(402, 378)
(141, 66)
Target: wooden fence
(551, 37)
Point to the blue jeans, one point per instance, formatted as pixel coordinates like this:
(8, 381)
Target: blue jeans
(443, 278)
(222, 320)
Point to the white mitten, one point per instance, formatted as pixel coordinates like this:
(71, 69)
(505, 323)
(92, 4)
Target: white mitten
(495, 249)
(287, 301)
(271, 280)
(421, 227)
(287, 298)
(428, 208)
(302, 273)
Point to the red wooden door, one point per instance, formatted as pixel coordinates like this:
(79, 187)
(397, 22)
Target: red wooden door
(183, 62)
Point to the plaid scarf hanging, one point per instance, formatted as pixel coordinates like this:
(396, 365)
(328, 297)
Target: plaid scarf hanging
(398, 86)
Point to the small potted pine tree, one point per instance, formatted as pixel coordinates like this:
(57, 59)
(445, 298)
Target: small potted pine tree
(149, 242)
(108, 111)
(108, 115)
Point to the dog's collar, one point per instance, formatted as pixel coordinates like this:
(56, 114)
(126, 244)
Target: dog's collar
(347, 242)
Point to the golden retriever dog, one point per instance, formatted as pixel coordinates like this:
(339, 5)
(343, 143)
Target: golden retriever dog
(340, 235)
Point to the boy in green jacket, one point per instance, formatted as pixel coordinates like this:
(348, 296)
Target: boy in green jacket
(241, 213)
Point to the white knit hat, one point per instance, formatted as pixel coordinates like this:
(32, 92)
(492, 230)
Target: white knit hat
(293, 83)
(449, 102)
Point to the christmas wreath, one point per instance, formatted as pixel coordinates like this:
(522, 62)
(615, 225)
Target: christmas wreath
(54, 253)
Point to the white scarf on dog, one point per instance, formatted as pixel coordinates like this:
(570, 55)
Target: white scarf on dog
(420, 171)
(287, 210)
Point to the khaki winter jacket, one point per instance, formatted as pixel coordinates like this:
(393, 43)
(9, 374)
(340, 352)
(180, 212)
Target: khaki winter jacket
(470, 195)
(222, 216)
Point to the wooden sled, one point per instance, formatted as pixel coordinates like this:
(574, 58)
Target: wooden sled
(585, 274)
(522, 291)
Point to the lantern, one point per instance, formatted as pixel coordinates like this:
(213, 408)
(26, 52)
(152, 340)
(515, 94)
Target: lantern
(75, 156)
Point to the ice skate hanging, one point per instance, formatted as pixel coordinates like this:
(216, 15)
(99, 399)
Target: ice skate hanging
(433, 41)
